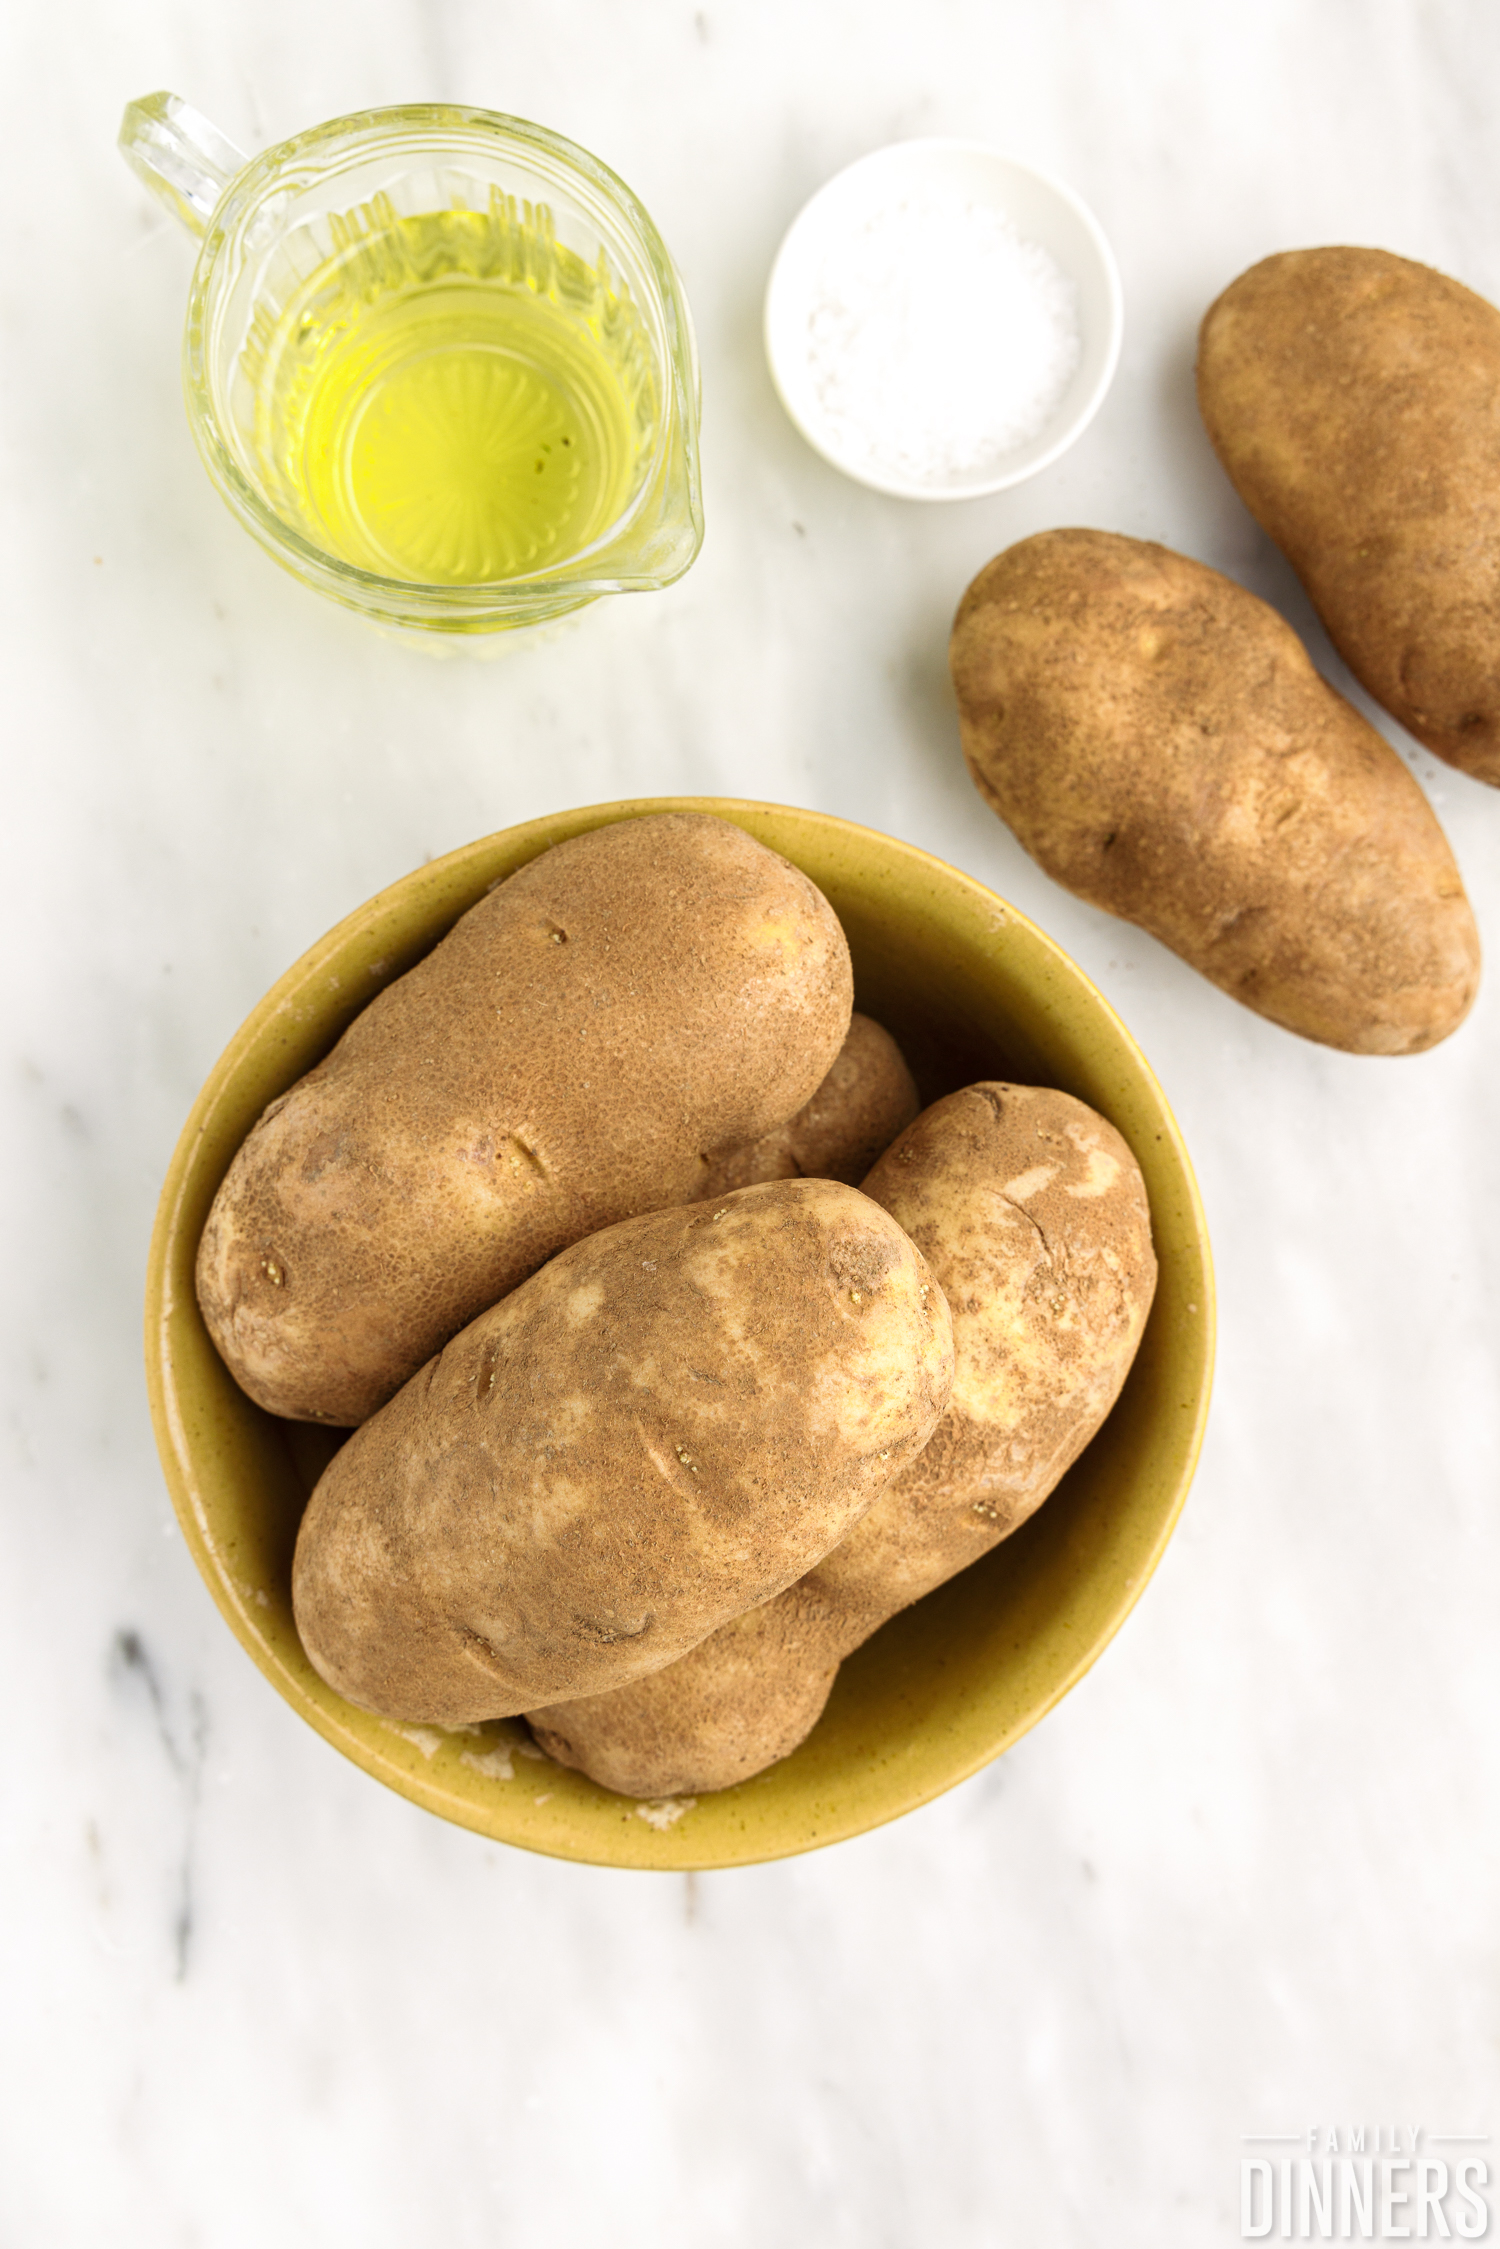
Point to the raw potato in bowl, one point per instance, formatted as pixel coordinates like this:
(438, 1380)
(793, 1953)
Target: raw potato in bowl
(671, 1421)
(576, 1050)
(1158, 740)
(866, 1099)
(1031, 1212)
(1354, 399)
(972, 990)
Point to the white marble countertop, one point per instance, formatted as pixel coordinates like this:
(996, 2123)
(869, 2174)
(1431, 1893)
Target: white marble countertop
(1244, 1880)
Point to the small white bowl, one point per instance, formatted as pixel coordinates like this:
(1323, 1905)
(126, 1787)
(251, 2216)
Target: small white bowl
(1040, 209)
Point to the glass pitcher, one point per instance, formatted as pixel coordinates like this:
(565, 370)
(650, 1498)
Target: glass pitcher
(438, 361)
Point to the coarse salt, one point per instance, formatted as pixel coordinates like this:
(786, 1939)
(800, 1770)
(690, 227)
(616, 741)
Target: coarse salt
(939, 340)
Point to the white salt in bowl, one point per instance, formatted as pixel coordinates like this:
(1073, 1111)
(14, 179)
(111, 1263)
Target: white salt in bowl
(941, 321)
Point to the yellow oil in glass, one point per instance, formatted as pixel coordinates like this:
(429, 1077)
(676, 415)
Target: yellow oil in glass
(452, 398)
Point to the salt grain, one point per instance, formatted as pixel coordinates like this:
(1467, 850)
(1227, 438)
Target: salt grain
(940, 340)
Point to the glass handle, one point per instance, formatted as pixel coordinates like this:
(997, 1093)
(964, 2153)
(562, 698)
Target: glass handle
(184, 160)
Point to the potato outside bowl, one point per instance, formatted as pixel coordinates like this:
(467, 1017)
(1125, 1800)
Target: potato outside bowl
(971, 990)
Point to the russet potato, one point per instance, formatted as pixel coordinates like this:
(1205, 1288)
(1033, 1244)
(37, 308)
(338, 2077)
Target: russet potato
(670, 1422)
(1354, 399)
(1158, 740)
(1031, 1212)
(577, 1050)
(866, 1099)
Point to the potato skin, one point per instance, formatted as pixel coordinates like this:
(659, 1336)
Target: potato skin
(1032, 1213)
(573, 1052)
(1159, 741)
(741, 1700)
(670, 1422)
(1031, 1210)
(866, 1099)
(1354, 399)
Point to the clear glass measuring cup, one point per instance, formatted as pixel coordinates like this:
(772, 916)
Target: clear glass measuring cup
(437, 361)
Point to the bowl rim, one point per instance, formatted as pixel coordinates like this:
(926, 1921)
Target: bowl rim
(298, 1009)
(890, 156)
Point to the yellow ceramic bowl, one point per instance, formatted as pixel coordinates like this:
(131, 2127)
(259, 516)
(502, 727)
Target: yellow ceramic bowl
(971, 990)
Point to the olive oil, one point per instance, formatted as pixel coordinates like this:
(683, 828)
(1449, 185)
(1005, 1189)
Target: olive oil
(453, 398)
